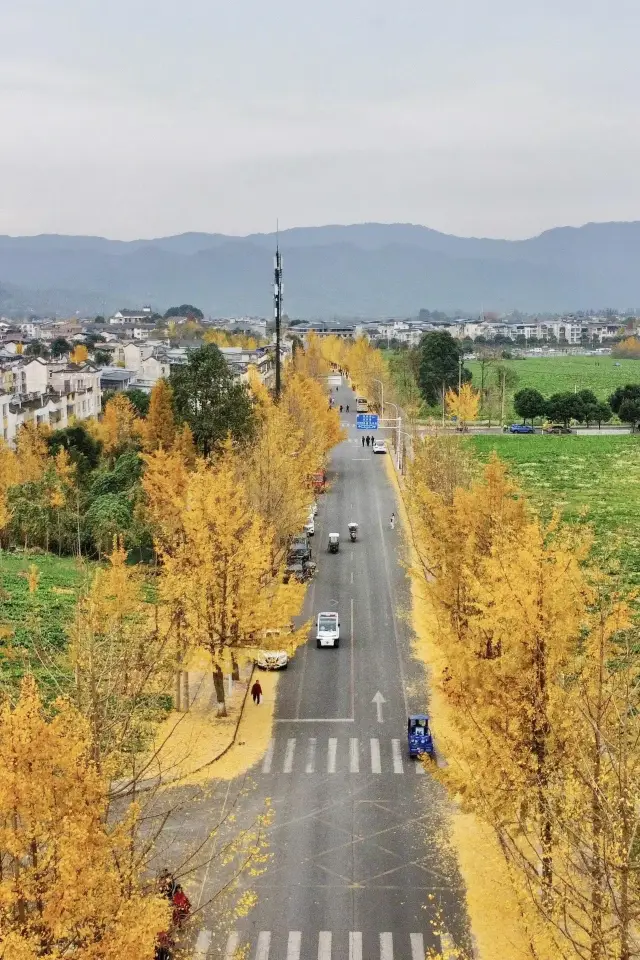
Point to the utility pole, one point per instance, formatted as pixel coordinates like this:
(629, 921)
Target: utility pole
(277, 301)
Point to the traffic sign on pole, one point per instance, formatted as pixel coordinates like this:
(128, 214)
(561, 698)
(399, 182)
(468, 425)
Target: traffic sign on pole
(367, 421)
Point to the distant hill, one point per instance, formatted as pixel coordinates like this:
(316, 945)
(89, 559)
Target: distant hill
(369, 269)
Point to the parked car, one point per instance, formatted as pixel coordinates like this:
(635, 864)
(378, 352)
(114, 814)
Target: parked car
(299, 549)
(521, 428)
(557, 428)
(379, 446)
(300, 570)
(310, 526)
(272, 660)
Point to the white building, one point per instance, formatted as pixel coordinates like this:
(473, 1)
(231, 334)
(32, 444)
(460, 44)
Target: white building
(131, 316)
(51, 394)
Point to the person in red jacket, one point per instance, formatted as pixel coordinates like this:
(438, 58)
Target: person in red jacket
(181, 906)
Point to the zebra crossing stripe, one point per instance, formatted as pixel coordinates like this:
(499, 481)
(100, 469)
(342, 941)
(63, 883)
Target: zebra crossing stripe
(202, 944)
(288, 757)
(397, 757)
(264, 942)
(268, 757)
(375, 756)
(417, 946)
(331, 756)
(232, 946)
(447, 946)
(419, 767)
(293, 946)
(311, 755)
(354, 756)
(386, 946)
(324, 945)
(355, 946)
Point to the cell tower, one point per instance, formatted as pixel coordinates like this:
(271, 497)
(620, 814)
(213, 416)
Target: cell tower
(277, 301)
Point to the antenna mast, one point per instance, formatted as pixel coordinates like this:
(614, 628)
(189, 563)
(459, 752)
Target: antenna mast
(277, 300)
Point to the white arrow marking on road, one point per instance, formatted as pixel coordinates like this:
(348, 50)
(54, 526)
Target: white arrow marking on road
(379, 700)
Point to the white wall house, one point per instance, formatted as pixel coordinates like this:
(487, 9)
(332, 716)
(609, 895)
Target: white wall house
(48, 393)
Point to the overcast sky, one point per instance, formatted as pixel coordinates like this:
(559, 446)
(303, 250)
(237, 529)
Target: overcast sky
(131, 118)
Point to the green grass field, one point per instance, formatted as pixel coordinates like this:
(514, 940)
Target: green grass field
(33, 625)
(591, 479)
(560, 373)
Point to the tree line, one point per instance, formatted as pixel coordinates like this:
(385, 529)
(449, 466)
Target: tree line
(220, 483)
(538, 665)
(582, 406)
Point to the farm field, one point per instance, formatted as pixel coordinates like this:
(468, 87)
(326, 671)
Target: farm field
(556, 374)
(41, 615)
(592, 479)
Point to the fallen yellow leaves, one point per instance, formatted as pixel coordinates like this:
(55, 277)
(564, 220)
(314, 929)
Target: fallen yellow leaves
(491, 904)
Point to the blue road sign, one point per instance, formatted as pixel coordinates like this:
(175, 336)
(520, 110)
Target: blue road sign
(367, 421)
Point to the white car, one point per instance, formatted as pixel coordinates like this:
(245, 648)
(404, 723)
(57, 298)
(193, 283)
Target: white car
(310, 526)
(328, 630)
(272, 660)
(379, 447)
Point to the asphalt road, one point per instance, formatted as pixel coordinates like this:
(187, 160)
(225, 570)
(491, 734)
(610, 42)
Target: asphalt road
(361, 866)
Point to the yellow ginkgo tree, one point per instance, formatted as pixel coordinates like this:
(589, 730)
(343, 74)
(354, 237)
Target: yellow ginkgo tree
(69, 886)
(463, 404)
(219, 573)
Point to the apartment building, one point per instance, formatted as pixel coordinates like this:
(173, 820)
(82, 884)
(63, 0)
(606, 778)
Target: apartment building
(51, 394)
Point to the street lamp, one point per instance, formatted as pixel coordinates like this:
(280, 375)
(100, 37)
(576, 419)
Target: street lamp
(459, 373)
(381, 393)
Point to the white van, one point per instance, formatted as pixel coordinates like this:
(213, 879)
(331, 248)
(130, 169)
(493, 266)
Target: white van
(328, 630)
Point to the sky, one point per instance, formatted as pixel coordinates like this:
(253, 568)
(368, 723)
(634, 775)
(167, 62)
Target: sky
(133, 118)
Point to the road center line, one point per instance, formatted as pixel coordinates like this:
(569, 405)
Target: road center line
(353, 668)
(202, 944)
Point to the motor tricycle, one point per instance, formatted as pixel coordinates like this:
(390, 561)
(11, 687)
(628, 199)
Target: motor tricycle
(353, 532)
(334, 542)
(419, 736)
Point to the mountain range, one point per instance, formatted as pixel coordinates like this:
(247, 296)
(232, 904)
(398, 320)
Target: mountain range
(359, 270)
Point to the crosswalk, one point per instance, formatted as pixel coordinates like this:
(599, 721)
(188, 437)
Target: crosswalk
(327, 945)
(313, 755)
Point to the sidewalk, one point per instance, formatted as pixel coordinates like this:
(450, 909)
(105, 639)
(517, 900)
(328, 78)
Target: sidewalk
(197, 745)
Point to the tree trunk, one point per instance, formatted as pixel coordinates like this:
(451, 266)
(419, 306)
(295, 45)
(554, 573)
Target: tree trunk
(177, 692)
(218, 683)
(235, 674)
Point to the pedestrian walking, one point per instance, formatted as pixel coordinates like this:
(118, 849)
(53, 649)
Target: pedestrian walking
(363, 441)
(367, 440)
(256, 692)
(347, 408)
(340, 408)
(392, 521)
